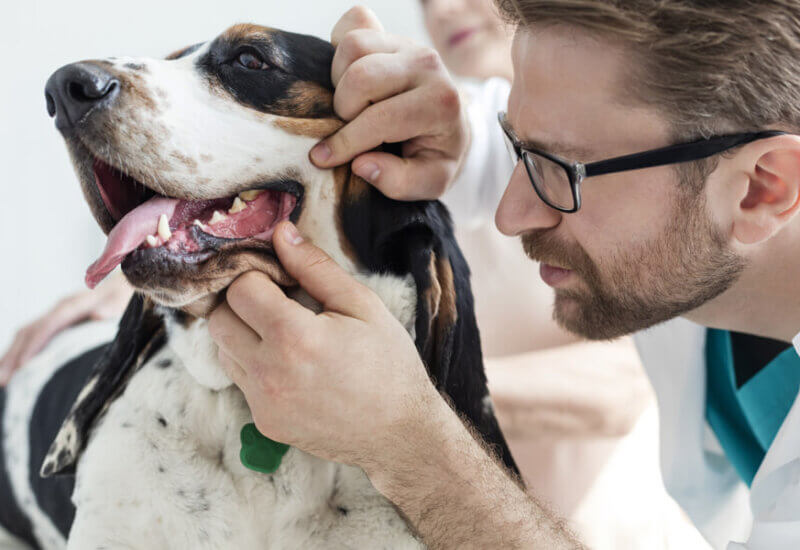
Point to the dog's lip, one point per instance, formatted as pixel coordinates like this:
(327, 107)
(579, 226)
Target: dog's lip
(253, 222)
(284, 185)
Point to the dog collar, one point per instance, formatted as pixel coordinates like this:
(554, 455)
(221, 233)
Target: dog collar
(259, 452)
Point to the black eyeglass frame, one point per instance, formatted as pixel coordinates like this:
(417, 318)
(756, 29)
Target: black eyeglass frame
(672, 154)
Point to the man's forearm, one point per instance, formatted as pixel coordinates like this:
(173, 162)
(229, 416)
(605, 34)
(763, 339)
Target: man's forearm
(457, 496)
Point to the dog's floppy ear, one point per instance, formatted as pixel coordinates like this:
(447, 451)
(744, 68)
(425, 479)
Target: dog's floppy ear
(141, 333)
(417, 238)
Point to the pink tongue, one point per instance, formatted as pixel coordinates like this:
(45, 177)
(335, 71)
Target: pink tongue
(128, 234)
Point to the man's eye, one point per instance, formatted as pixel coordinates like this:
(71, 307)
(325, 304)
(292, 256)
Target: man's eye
(251, 61)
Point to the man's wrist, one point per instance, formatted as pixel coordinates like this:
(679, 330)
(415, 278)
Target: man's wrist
(419, 442)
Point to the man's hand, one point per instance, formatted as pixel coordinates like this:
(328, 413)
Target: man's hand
(346, 384)
(390, 90)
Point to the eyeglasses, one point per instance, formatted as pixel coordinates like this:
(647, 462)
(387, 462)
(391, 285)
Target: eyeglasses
(557, 181)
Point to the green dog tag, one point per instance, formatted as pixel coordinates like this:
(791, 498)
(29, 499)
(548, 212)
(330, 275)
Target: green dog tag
(260, 453)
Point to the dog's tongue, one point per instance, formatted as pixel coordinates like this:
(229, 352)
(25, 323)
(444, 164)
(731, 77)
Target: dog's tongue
(128, 234)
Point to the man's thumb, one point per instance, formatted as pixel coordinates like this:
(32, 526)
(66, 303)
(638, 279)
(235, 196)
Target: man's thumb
(317, 273)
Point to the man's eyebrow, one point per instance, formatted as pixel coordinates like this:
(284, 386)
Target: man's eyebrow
(564, 150)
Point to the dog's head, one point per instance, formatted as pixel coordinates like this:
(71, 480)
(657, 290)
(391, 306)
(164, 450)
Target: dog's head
(189, 162)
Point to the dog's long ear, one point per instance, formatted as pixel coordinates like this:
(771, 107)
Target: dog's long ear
(417, 238)
(140, 334)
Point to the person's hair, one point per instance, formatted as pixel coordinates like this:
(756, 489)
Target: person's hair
(710, 66)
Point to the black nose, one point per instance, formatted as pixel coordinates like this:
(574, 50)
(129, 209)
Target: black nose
(73, 91)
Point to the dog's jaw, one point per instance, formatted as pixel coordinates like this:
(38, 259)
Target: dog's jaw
(189, 339)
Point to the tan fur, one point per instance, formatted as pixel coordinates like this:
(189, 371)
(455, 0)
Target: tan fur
(448, 314)
(317, 128)
(242, 31)
(433, 294)
(303, 99)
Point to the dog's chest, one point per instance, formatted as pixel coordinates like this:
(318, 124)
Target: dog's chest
(162, 470)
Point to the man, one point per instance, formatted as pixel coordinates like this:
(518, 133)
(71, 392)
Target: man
(706, 229)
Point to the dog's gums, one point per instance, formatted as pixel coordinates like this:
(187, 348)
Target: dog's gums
(186, 230)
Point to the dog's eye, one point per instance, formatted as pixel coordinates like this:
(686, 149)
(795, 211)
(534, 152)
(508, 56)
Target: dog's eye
(249, 60)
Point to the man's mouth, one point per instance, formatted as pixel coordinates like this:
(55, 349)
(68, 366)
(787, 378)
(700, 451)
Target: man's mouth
(553, 275)
(186, 231)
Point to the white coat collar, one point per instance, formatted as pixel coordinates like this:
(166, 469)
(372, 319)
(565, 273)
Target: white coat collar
(782, 456)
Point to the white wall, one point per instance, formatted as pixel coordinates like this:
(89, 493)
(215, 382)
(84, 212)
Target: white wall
(47, 237)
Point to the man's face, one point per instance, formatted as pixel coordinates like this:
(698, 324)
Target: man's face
(643, 247)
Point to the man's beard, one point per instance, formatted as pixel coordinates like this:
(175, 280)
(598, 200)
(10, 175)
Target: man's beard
(643, 285)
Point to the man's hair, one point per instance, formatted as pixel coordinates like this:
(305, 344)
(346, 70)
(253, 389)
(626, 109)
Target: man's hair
(710, 66)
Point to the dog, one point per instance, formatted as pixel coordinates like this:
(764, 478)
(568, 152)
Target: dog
(187, 164)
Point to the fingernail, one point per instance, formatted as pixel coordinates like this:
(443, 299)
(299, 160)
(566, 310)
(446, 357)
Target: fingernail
(291, 235)
(321, 152)
(369, 171)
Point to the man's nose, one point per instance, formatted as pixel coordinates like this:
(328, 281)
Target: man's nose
(75, 90)
(521, 209)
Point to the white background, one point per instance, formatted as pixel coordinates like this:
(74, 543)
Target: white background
(47, 236)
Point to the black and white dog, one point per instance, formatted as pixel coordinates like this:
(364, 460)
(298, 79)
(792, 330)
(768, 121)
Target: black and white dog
(188, 163)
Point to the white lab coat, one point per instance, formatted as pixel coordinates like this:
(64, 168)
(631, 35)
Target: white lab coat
(695, 470)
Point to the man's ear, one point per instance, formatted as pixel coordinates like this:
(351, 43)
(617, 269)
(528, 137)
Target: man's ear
(140, 335)
(771, 196)
(416, 238)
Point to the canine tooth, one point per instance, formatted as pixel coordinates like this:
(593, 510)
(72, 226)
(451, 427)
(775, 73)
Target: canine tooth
(199, 224)
(163, 228)
(238, 206)
(217, 217)
(250, 195)
(152, 240)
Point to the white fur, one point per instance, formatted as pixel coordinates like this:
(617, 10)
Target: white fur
(22, 393)
(204, 497)
(227, 141)
(398, 293)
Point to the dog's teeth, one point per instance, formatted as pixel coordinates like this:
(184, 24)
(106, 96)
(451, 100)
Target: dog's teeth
(238, 206)
(152, 240)
(217, 217)
(250, 195)
(163, 228)
(199, 224)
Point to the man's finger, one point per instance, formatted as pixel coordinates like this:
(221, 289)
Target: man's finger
(260, 303)
(233, 369)
(231, 333)
(357, 17)
(369, 80)
(319, 275)
(360, 44)
(399, 118)
(391, 174)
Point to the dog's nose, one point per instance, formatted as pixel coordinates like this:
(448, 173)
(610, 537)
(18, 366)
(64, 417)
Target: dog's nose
(73, 91)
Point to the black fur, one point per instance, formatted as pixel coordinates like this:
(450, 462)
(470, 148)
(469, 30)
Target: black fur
(53, 495)
(292, 59)
(141, 333)
(399, 237)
